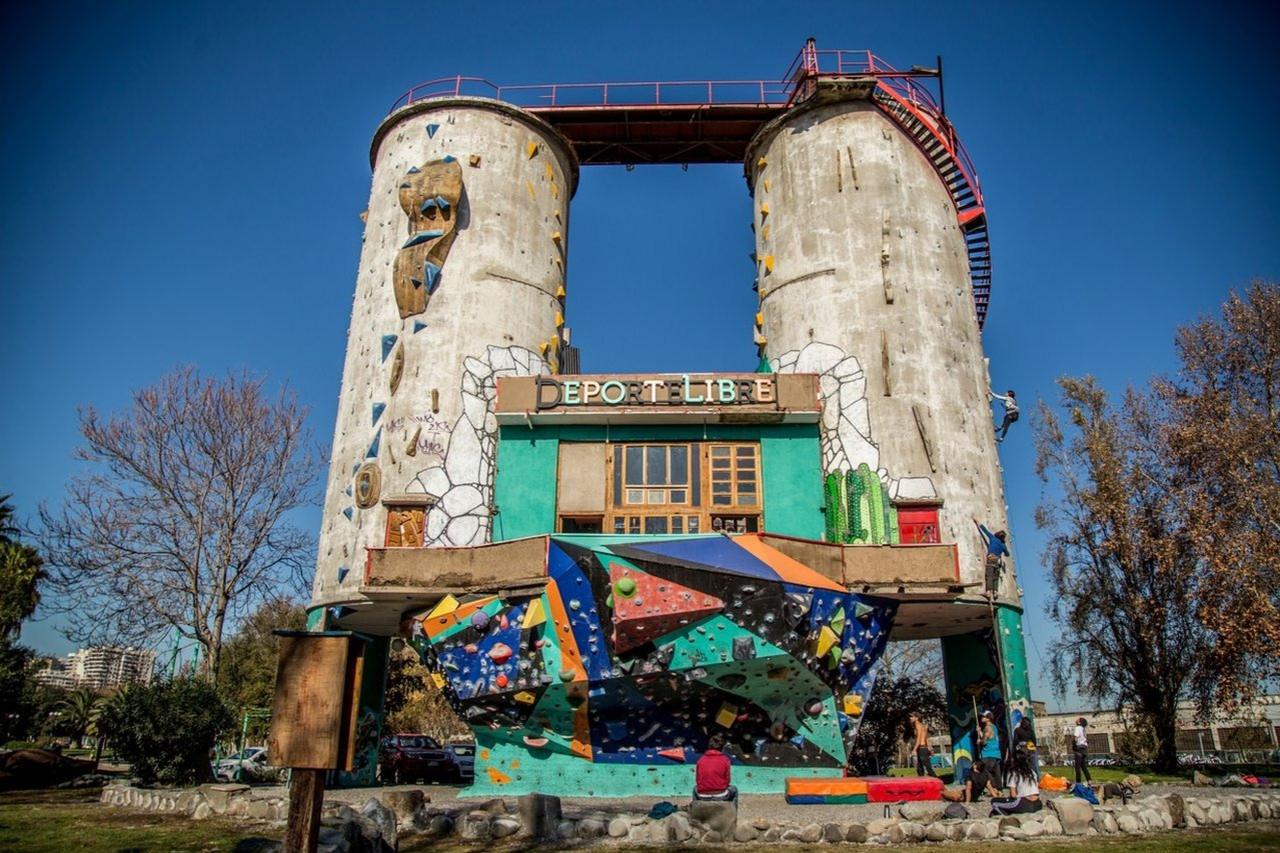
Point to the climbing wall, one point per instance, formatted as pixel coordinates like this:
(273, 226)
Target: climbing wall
(608, 680)
(461, 281)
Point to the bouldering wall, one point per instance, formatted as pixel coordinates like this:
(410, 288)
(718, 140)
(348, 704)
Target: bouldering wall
(609, 679)
(461, 280)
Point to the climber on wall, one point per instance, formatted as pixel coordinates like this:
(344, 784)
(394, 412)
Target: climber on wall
(997, 550)
(1010, 401)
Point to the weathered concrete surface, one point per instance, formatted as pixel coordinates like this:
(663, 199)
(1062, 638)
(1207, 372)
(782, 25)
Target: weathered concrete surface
(495, 305)
(869, 262)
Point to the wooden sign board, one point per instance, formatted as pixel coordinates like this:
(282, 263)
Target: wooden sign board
(313, 716)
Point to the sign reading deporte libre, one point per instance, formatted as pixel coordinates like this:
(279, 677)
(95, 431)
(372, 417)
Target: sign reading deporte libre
(682, 390)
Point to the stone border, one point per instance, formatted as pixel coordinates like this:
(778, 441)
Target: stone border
(540, 817)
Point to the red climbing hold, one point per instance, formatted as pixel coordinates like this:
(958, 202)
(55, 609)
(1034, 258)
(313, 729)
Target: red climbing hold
(675, 754)
(657, 607)
(500, 653)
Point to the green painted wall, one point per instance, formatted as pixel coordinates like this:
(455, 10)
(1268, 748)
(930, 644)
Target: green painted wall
(790, 459)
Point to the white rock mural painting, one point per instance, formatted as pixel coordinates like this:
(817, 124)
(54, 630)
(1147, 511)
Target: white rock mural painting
(846, 420)
(463, 483)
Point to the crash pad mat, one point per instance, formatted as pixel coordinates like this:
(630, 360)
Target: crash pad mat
(889, 789)
(829, 791)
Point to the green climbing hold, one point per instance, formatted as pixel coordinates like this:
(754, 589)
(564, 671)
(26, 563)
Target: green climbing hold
(626, 587)
(566, 675)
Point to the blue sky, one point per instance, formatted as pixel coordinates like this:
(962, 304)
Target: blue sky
(185, 182)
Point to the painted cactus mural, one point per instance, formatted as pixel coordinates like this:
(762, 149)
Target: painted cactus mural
(858, 509)
(609, 678)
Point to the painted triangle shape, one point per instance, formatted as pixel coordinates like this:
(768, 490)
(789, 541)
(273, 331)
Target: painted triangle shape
(646, 607)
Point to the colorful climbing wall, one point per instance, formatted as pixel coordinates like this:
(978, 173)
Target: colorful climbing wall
(609, 679)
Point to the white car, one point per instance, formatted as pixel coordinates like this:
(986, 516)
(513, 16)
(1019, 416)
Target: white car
(248, 765)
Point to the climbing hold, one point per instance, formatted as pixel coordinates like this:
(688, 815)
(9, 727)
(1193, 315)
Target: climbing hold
(760, 164)
(524, 697)
(675, 754)
(764, 210)
(474, 160)
(480, 620)
(626, 587)
(422, 236)
(418, 326)
(378, 409)
(744, 648)
(759, 318)
(727, 714)
(559, 320)
(448, 158)
(567, 675)
(560, 294)
(442, 203)
(502, 679)
(388, 343)
(827, 640)
(535, 742)
(431, 275)
(342, 573)
(446, 605)
(768, 185)
(813, 707)
(500, 653)
(349, 512)
(557, 238)
(531, 149)
(431, 130)
(768, 264)
(853, 705)
(861, 610)
(373, 445)
(837, 620)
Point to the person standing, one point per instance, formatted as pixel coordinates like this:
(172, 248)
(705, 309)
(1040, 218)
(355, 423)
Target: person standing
(924, 767)
(711, 773)
(1010, 401)
(989, 747)
(1080, 749)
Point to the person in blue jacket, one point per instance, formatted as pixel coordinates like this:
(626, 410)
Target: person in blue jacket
(997, 550)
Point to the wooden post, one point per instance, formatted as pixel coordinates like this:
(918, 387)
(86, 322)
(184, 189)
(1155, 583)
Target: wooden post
(306, 796)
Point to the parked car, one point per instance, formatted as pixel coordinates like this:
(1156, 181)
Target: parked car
(464, 759)
(410, 758)
(250, 764)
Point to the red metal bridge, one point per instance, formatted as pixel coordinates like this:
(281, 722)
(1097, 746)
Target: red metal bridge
(713, 121)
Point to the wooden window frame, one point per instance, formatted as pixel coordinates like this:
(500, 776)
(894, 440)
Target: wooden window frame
(698, 506)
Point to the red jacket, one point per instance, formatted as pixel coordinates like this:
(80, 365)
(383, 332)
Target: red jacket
(712, 772)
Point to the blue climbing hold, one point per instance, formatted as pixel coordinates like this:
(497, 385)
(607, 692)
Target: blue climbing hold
(378, 409)
(422, 237)
(413, 170)
(348, 488)
(441, 202)
(341, 610)
(431, 130)
(431, 273)
(418, 326)
(388, 344)
(373, 445)
(349, 513)
(342, 573)
(427, 204)
(448, 158)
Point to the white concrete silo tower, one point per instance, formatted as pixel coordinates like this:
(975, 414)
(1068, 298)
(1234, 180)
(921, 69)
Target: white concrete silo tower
(461, 280)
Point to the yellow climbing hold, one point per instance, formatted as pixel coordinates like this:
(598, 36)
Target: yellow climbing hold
(555, 192)
(726, 715)
(448, 604)
(764, 210)
(559, 319)
(760, 164)
(826, 639)
(524, 697)
(768, 184)
(759, 318)
(474, 160)
(551, 175)
(438, 680)
(557, 238)
(533, 614)
(853, 705)
(768, 263)
(542, 349)
(560, 294)
(531, 149)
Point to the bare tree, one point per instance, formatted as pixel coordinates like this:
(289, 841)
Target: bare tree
(917, 660)
(181, 521)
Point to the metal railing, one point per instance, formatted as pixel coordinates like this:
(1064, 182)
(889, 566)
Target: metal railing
(664, 93)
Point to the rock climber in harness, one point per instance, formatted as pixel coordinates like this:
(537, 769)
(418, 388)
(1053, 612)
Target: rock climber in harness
(997, 550)
(1010, 402)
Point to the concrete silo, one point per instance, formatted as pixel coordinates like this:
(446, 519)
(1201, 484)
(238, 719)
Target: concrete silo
(461, 280)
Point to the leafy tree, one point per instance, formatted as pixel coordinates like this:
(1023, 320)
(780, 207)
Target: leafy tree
(19, 702)
(78, 712)
(180, 522)
(1123, 565)
(167, 729)
(247, 677)
(21, 571)
(886, 720)
(1223, 437)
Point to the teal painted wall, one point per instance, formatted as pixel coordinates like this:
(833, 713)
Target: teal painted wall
(790, 459)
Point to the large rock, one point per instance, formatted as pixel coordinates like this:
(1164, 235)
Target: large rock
(618, 827)
(744, 833)
(381, 817)
(221, 796)
(404, 804)
(591, 828)
(1052, 826)
(1074, 814)
(855, 833)
(922, 812)
(540, 815)
(833, 833)
(504, 826)
(936, 832)
(719, 816)
(1129, 824)
(680, 829)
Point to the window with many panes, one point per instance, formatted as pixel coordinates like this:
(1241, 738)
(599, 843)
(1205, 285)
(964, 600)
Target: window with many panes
(655, 474)
(734, 475)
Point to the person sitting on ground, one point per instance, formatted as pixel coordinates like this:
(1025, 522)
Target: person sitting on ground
(920, 739)
(1010, 401)
(1024, 788)
(997, 549)
(711, 773)
(974, 788)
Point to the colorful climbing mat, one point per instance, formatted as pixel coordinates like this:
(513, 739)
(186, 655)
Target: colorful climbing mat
(609, 678)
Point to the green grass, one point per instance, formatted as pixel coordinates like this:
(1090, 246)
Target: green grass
(55, 821)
